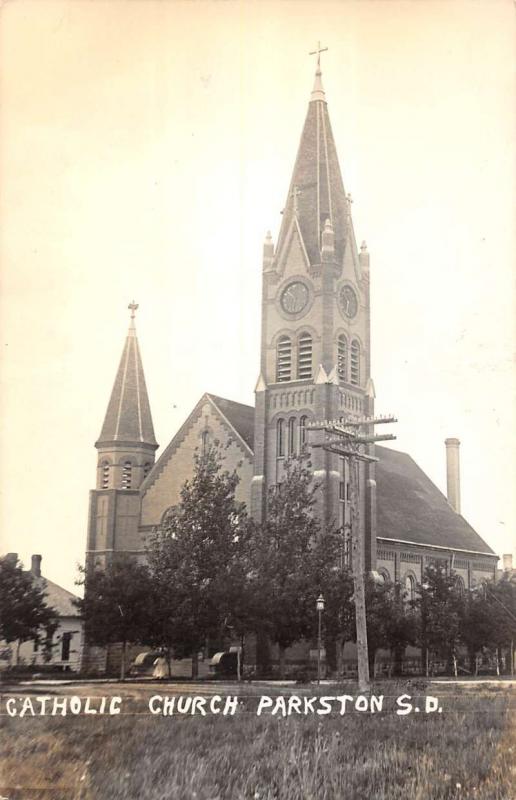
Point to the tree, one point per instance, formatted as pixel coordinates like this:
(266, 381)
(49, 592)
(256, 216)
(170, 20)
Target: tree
(331, 576)
(24, 613)
(440, 606)
(117, 604)
(395, 623)
(196, 558)
(282, 574)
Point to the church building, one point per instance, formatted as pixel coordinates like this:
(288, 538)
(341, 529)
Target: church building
(315, 365)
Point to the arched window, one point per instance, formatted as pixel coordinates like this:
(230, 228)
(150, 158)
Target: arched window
(304, 356)
(204, 442)
(302, 433)
(291, 436)
(146, 468)
(355, 363)
(105, 475)
(384, 573)
(460, 585)
(342, 358)
(284, 359)
(127, 471)
(410, 587)
(280, 438)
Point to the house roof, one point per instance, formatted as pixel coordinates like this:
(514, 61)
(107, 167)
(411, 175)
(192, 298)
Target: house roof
(57, 597)
(410, 508)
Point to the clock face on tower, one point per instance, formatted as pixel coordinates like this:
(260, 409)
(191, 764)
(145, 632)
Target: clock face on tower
(348, 301)
(294, 297)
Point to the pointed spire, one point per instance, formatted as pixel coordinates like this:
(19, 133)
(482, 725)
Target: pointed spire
(128, 417)
(316, 191)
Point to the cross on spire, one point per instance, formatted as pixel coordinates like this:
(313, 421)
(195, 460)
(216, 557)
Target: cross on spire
(133, 307)
(318, 54)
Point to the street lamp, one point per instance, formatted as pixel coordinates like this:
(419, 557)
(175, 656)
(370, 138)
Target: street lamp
(319, 605)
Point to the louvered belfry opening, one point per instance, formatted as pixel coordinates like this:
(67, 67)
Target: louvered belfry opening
(284, 360)
(127, 475)
(355, 363)
(342, 358)
(105, 475)
(304, 357)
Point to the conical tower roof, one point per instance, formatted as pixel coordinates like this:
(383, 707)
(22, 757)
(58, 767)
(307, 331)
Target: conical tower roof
(316, 190)
(128, 417)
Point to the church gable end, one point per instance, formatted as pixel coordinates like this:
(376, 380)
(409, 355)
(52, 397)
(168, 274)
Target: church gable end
(207, 423)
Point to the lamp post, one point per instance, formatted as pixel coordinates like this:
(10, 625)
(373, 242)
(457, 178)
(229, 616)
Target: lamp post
(319, 604)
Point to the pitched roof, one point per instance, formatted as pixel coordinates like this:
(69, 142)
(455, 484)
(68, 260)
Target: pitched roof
(412, 509)
(57, 597)
(128, 417)
(240, 417)
(316, 184)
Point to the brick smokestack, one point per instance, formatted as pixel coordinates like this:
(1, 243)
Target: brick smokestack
(35, 567)
(453, 473)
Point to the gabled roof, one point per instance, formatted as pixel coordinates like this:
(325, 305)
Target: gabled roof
(411, 508)
(57, 597)
(316, 191)
(238, 418)
(128, 417)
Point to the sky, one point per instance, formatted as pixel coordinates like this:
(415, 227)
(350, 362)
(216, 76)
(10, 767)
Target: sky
(145, 150)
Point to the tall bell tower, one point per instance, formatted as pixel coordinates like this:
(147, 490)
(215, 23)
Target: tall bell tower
(126, 451)
(315, 341)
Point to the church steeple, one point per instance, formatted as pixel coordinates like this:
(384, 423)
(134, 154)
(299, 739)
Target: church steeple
(315, 343)
(316, 189)
(128, 419)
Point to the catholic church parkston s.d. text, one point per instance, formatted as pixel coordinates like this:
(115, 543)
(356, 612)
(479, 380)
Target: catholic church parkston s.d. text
(314, 365)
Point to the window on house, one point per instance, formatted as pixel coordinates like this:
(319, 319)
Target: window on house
(105, 475)
(342, 358)
(302, 433)
(65, 646)
(291, 436)
(127, 474)
(280, 438)
(304, 356)
(355, 363)
(284, 359)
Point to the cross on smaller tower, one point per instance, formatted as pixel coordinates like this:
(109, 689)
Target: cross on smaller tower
(318, 53)
(133, 307)
(296, 191)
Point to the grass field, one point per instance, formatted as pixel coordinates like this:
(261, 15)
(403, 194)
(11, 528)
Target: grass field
(467, 751)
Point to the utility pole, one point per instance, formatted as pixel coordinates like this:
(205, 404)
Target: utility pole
(349, 438)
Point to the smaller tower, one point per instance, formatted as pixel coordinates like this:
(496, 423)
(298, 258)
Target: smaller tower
(126, 451)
